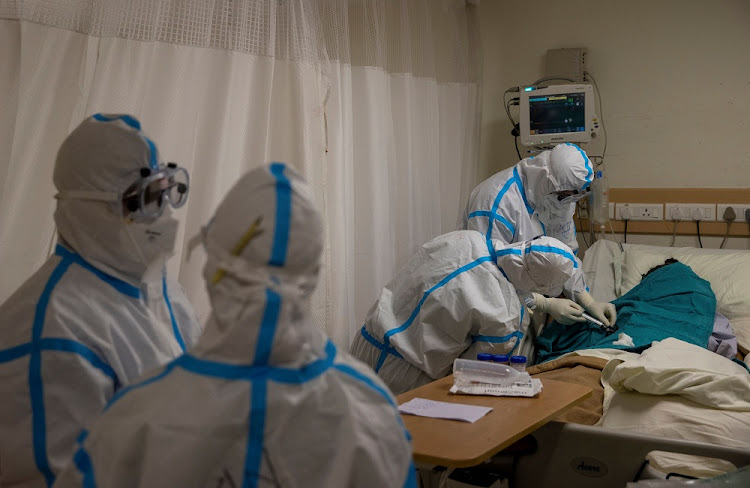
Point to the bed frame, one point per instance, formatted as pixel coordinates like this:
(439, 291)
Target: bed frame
(580, 456)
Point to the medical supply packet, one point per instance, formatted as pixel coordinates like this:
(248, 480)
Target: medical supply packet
(528, 388)
(487, 372)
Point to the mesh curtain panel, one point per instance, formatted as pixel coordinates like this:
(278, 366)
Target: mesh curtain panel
(375, 102)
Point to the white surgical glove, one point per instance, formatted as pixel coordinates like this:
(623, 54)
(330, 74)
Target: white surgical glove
(603, 311)
(565, 311)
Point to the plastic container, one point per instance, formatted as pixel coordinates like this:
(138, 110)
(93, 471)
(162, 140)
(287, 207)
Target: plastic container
(484, 357)
(500, 359)
(518, 363)
(599, 199)
(486, 372)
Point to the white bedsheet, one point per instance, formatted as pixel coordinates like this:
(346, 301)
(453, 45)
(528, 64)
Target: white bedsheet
(674, 367)
(680, 391)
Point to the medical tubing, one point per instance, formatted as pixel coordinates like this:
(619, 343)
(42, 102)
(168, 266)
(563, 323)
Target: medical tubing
(580, 222)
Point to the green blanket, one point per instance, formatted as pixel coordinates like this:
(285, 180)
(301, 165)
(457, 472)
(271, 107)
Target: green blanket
(670, 302)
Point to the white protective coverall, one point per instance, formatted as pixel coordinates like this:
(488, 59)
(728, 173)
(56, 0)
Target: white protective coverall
(265, 399)
(455, 298)
(517, 204)
(87, 322)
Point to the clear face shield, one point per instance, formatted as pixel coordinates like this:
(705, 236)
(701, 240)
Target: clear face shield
(144, 200)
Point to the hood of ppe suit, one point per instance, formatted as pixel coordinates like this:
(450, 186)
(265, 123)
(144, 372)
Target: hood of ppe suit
(542, 265)
(566, 167)
(263, 248)
(105, 153)
(570, 168)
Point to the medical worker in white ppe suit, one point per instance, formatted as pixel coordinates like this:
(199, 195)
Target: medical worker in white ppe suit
(456, 298)
(537, 197)
(99, 312)
(264, 399)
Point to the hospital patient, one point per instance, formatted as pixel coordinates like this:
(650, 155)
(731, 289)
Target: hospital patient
(264, 399)
(102, 309)
(456, 298)
(670, 301)
(722, 341)
(536, 197)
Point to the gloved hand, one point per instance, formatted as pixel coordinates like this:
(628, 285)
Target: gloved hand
(605, 312)
(565, 311)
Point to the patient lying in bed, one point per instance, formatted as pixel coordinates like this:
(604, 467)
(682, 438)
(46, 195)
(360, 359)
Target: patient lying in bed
(670, 301)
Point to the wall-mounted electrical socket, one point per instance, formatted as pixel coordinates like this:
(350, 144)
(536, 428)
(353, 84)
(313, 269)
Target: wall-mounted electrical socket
(611, 211)
(739, 210)
(639, 211)
(690, 211)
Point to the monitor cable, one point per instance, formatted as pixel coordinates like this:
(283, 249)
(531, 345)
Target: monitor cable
(515, 133)
(588, 74)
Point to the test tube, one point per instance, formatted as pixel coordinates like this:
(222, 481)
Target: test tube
(500, 358)
(518, 363)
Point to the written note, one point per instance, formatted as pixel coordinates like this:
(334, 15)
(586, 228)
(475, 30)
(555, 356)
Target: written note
(443, 410)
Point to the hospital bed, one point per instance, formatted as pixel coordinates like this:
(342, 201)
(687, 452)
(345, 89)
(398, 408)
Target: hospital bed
(634, 423)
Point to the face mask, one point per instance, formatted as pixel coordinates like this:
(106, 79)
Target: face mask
(555, 212)
(153, 243)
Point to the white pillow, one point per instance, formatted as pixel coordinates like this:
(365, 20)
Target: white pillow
(727, 271)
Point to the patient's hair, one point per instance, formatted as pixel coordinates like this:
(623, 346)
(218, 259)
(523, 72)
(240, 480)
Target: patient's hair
(666, 263)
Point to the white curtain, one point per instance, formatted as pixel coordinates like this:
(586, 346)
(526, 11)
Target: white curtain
(375, 102)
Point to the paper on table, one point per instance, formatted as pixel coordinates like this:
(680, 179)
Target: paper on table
(443, 410)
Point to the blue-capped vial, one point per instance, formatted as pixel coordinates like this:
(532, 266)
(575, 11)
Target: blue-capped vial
(483, 356)
(518, 363)
(500, 358)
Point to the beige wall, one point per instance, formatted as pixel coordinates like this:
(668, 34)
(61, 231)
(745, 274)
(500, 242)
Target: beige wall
(674, 78)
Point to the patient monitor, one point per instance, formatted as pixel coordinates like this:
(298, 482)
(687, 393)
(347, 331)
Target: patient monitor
(556, 114)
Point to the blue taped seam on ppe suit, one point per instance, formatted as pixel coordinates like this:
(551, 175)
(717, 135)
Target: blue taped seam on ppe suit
(261, 376)
(82, 325)
(451, 299)
(40, 345)
(523, 197)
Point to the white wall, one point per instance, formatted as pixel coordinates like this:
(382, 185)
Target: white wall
(674, 77)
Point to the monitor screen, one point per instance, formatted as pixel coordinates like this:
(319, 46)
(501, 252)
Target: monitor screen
(556, 114)
(550, 114)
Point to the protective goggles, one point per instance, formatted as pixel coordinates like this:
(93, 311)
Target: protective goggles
(148, 196)
(571, 196)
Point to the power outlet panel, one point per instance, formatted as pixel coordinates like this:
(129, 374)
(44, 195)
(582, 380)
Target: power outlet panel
(739, 210)
(639, 211)
(691, 211)
(611, 211)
